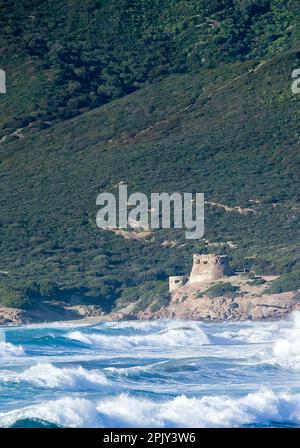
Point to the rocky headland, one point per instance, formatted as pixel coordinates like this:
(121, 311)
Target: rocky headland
(212, 292)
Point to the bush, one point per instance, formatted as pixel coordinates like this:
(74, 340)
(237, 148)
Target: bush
(222, 289)
(12, 298)
(257, 281)
(234, 306)
(48, 289)
(148, 294)
(286, 282)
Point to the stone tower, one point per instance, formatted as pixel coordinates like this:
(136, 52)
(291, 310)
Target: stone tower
(208, 268)
(176, 282)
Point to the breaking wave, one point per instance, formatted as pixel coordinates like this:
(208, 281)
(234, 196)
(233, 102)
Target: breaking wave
(264, 407)
(49, 376)
(7, 350)
(174, 373)
(252, 333)
(172, 337)
(286, 349)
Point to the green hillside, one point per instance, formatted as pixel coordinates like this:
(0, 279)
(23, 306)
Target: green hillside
(64, 58)
(164, 96)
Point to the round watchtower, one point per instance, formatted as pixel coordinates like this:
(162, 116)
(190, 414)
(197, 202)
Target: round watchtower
(208, 268)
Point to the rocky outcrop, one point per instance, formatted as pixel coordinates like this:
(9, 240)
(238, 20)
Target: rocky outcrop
(265, 307)
(11, 316)
(190, 297)
(268, 306)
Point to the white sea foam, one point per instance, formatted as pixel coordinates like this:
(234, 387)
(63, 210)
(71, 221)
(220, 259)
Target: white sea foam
(49, 376)
(218, 411)
(219, 368)
(252, 332)
(262, 407)
(142, 325)
(128, 371)
(9, 350)
(66, 412)
(286, 350)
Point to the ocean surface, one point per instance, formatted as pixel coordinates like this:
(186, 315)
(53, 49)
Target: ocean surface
(152, 374)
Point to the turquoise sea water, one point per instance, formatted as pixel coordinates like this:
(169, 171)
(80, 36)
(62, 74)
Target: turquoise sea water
(153, 374)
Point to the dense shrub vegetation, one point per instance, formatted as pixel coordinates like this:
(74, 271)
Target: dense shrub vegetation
(164, 96)
(286, 282)
(256, 281)
(12, 297)
(222, 289)
(81, 55)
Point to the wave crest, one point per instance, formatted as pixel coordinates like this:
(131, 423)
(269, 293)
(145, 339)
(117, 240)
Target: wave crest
(263, 407)
(49, 376)
(7, 350)
(173, 336)
(286, 349)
